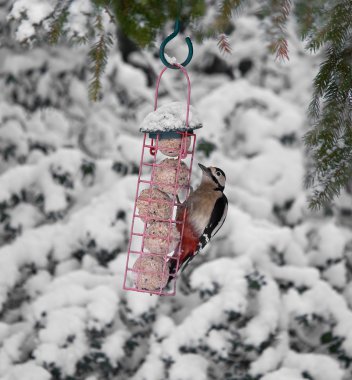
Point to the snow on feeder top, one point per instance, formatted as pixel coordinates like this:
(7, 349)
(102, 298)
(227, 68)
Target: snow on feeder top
(157, 228)
(171, 117)
(166, 125)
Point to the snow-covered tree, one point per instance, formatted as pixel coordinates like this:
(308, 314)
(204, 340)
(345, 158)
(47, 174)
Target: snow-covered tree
(324, 26)
(270, 298)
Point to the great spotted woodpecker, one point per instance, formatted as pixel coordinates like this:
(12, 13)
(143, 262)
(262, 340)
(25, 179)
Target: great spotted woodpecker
(206, 210)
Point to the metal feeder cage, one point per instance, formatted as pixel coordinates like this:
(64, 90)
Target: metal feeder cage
(163, 184)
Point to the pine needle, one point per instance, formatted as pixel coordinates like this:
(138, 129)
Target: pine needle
(56, 26)
(98, 55)
(223, 44)
(281, 49)
(278, 12)
(330, 139)
(228, 7)
(223, 17)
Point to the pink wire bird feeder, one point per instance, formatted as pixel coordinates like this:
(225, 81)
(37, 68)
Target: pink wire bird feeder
(163, 184)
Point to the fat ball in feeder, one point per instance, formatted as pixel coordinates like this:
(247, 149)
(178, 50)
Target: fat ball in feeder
(171, 176)
(153, 204)
(162, 237)
(151, 272)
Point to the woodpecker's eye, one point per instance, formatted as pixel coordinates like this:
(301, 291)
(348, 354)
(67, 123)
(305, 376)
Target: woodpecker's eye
(218, 173)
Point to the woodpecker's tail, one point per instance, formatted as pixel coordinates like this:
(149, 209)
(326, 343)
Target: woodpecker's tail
(186, 251)
(173, 261)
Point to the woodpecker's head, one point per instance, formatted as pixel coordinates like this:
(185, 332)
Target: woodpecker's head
(213, 175)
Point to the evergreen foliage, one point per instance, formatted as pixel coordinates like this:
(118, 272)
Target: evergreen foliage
(224, 44)
(98, 55)
(277, 12)
(330, 139)
(323, 25)
(56, 27)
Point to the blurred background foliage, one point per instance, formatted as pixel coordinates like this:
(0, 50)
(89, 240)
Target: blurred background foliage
(325, 27)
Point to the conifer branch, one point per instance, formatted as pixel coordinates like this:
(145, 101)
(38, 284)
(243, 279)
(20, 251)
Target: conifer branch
(56, 26)
(280, 46)
(98, 55)
(278, 12)
(330, 139)
(111, 16)
(223, 17)
(224, 44)
(229, 6)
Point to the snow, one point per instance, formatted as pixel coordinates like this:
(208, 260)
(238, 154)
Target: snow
(254, 205)
(15, 64)
(196, 368)
(271, 357)
(336, 275)
(98, 137)
(284, 373)
(36, 285)
(25, 31)
(114, 344)
(322, 300)
(35, 13)
(171, 60)
(70, 320)
(12, 345)
(50, 126)
(139, 304)
(330, 245)
(152, 368)
(17, 179)
(77, 18)
(34, 246)
(25, 216)
(270, 297)
(163, 326)
(267, 319)
(318, 366)
(231, 298)
(129, 78)
(129, 148)
(298, 275)
(171, 117)
(240, 92)
(28, 371)
(102, 307)
(66, 358)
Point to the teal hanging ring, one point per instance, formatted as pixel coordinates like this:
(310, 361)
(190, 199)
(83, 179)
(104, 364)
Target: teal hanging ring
(168, 39)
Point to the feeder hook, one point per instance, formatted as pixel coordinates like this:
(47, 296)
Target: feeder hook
(168, 39)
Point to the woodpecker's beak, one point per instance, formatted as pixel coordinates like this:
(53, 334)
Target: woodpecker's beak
(205, 170)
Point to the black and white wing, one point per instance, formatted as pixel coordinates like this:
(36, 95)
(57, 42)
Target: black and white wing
(216, 221)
